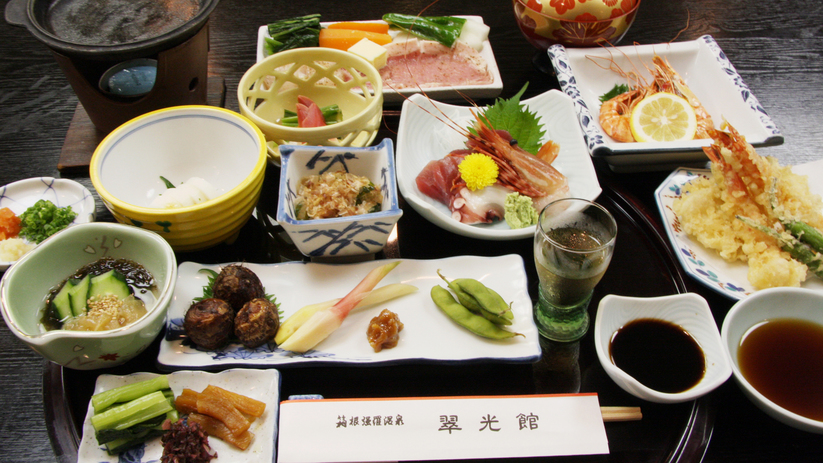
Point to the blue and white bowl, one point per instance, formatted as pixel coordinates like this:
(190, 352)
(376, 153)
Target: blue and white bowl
(340, 236)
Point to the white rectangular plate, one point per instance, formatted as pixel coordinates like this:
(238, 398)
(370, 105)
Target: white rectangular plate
(491, 90)
(428, 334)
(262, 385)
(701, 63)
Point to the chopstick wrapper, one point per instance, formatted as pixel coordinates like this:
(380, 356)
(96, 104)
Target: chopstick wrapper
(440, 428)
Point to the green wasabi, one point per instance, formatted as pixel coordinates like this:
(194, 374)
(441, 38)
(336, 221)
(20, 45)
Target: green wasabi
(519, 211)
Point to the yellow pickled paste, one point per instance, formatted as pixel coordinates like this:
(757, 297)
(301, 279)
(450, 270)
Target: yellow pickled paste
(707, 212)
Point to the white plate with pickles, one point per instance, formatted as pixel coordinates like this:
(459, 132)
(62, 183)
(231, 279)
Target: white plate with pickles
(261, 385)
(428, 335)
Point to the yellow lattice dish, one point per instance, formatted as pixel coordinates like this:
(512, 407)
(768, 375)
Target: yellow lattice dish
(325, 75)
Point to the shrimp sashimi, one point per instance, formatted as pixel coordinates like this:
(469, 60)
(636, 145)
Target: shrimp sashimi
(519, 171)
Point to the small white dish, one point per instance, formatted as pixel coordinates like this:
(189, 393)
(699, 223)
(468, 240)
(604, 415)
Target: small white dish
(262, 385)
(689, 311)
(705, 265)
(772, 303)
(296, 284)
(706, 70)
(22, 194)
(454, 92)
(423, 116)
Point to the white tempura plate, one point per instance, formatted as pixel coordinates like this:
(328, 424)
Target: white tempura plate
(262, 385)
(705, 265)
(428, 336)
(423, 116)
(454, 92)
(22, 194)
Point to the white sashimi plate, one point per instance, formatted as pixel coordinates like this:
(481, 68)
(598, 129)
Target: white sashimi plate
(705, 265)
(453, 92)
(22, 194)
(262, 385)
(423, 136)
(428, 334)
(584, 75)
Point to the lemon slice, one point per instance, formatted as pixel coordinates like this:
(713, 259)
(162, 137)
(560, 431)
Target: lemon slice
(663, 117)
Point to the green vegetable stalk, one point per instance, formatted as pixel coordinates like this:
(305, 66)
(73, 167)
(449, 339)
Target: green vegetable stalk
(44, 219)
(443, 29)
(800, 251)
(285, 34)
(331, 114)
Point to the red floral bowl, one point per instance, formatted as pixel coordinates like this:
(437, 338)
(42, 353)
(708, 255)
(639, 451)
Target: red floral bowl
(574, 23)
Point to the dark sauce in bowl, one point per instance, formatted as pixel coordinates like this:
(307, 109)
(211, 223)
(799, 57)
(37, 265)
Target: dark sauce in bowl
(783, 359)
(660, 354)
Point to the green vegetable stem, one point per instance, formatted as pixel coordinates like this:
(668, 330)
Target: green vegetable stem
(465, 318)
(285, 34)
(443, 29)
(799, 251)
(798, 228)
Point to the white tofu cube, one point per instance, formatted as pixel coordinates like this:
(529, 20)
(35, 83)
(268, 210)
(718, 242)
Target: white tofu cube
(371, 52)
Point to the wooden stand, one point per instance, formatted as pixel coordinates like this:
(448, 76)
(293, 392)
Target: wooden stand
(83, 137)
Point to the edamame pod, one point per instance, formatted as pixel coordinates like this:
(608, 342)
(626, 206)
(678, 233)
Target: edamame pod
(469, 302)
(488, 298)
(465, 318)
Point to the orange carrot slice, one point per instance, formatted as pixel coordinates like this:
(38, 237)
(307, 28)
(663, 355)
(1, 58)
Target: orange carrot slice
(343, 39)
(378, 27)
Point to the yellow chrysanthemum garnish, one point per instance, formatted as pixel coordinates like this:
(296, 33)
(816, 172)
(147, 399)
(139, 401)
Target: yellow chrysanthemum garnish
(478, 171)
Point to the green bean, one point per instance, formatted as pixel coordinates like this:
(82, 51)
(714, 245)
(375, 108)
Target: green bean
(465, 318)
(466, 300)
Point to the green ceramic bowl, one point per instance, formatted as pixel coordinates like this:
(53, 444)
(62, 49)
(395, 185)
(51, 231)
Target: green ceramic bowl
(26, 284)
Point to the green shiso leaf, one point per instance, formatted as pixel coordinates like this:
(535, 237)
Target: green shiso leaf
(512, 116)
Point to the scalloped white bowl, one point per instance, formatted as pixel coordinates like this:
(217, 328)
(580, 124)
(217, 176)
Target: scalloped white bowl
(797, 303)
(691, 312)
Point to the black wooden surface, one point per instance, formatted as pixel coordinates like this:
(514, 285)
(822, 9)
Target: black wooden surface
(775, 46)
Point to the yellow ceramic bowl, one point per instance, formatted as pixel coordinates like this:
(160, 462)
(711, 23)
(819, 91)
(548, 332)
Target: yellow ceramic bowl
(325, 75)
(587, 24)
(220, 146)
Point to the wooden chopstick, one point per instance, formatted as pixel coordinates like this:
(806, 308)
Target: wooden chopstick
(620, 414)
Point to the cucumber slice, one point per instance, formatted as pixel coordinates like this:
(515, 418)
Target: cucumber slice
(111, 282)
(62, 302)
(79, 294)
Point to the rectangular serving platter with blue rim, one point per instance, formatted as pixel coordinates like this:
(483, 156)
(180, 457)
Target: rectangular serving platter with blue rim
(428, 336)
(585, 75)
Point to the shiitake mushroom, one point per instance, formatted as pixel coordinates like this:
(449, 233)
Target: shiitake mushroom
(256, 323)
(209, 323)
(237, 285)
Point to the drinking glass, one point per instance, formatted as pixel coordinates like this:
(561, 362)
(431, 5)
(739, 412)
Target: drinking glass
(573, 245)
